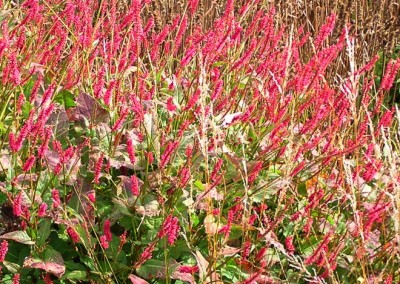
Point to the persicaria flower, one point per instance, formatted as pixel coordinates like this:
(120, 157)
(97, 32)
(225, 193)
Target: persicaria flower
(16, 279)
(135, 185)
(149, 25)
(188, 56)
(29, 163)
(217, 90)
(386, 120)
(193, 100)
(21, 100)
(166, 156)
(23, 225)
(325, 30)
(47, 279)
(15, 74)
(103, 241)
(17, 205)
(107, 230)
(171, 107)
(45, 142)
(97, 169)
(226, 229)
(12, 142)
(47, 95)
(42, 209)
(390, 74)
(150, 158)
(261, 253)
(246, 249)
(256, 169)
(56, 198)
(122, 240)
(92, 196)
(217, 168)
(193, 6)
(289, 244)
(120, 120)
(108, 94)
(170, 228)
(184, 176)
(130, 148)
(3, 250)
(188, 269)
(73, 235)
(146, 254)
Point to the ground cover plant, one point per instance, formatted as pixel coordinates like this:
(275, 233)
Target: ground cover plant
(187, 154)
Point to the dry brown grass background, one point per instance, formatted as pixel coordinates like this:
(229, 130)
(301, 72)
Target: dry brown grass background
(375, 24)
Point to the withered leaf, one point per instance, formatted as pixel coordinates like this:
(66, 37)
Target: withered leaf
(55, 267)
(87, 108)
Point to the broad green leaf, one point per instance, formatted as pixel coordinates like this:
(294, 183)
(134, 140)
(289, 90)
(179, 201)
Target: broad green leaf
(12, 267)
(302, 189)
(43, 231)
(76, 275)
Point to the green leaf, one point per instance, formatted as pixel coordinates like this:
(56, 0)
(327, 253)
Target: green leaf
(76, 275)
(302, 189)
(65, 98)
(121, 206)
(11, 266)
(233, 273)
(155, 269)
(43, 231)
(219, 63)
(69, 99)
(308, 248)
(330, 220)
(89, 262)
(29, 86)
(199, 185)
(26, 109)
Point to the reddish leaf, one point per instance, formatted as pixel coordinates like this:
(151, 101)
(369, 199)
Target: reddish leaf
(54, 268)
(229, 251)
(136, 280)
(202, 263)
(187, 277)
(18, 236)
(212, 227)
(87, 108)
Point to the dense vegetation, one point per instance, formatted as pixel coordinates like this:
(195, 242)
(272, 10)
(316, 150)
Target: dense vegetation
(232, 145)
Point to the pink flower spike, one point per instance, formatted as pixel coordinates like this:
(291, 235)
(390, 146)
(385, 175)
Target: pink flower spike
(103, 241)
(170, 229)
(15, 279)
(42, 209)
(107, 230)
(289, 244)
(56, 198)
(92, 196)
(3, 250)
(29, 163)
(135, 186)
(73, 235)
(17, 205)
(130, 148)
(171, 107)
(97, 169)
